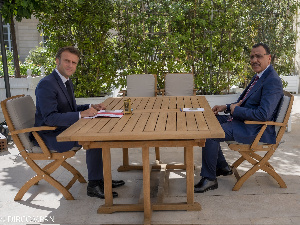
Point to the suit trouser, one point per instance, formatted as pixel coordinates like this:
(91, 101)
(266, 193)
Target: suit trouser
(94, 163)
(212, 155)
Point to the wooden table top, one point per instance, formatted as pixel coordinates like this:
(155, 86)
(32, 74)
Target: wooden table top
(152, 118)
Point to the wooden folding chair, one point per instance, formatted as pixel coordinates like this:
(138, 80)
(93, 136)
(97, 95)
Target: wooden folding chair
(19, 113)
(179, 84)
(248, 152)
(139, 85)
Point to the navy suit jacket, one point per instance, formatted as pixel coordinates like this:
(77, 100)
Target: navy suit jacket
(261, 104)
(55, 108)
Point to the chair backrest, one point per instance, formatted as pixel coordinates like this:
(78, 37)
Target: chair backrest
(284, 111)
(179, 84)
(20, 115)
(142, 85)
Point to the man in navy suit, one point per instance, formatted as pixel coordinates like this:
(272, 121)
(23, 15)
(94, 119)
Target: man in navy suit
(259, 102)
(56, 106)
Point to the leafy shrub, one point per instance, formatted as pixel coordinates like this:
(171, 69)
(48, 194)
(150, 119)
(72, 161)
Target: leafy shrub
(37, 58)
(211, 39)
(10, 64)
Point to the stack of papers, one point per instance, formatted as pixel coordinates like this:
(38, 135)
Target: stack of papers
(191, 109)
(108, 113)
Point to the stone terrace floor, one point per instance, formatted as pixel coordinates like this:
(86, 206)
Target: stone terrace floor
(259, 201)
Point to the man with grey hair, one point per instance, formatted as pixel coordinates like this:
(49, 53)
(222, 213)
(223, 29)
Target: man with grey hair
(259, 102)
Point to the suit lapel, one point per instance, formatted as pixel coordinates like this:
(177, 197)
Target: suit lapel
(245, 91)
(258, 83)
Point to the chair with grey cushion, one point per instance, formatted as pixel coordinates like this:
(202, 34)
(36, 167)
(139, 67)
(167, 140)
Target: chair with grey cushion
(179, 84)
(248, 152)
(139, 85)
(19, 113)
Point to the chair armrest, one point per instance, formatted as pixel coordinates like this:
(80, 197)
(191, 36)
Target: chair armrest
(34, 130)
(31, 129)
(262, 130)
(263, 122)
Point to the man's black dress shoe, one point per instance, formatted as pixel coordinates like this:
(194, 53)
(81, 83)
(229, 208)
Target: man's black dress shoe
(205, 185)
(224, 171)
(98, 191)
(115, 183)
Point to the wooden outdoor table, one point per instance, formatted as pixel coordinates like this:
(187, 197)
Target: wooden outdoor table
(154, 122)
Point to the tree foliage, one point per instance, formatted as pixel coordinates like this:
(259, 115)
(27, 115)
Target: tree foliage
(84, 24)
(210, 38)
(17, 9)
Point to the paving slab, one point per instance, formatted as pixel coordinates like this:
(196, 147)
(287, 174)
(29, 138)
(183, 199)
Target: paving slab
(259, 201)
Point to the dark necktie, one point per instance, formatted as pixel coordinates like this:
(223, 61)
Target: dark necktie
(249, 89)
(68, 86)
(251, 86)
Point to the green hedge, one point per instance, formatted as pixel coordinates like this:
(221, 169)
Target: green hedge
(211, 39)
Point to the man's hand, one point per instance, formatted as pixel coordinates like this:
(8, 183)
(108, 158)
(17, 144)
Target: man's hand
(232, 106)
(218, 108)
(88, 112)
(99, 106)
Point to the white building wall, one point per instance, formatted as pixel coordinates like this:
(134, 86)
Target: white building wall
(27, 36)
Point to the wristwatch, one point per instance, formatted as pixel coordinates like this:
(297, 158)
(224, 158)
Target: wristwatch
(227, 108)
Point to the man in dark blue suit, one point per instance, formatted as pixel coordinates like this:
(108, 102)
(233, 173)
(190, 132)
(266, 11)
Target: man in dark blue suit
(56, 106)
(259, 102)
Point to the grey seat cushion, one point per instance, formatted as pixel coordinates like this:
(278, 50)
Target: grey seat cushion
(22, 113)
(179, 84)
(141, 85)
(284, 104)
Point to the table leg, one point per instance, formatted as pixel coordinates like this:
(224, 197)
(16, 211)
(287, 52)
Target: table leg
(184, 156)
(189, 174)
(125, 157)
(107, 176)
(157, 154)
(146, 186)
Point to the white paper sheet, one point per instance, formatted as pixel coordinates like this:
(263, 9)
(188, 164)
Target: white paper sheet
(108, 113)
(192, 109)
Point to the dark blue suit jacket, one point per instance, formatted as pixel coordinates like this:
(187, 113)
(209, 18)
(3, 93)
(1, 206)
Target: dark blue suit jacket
(261, 104)
(55, 108)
